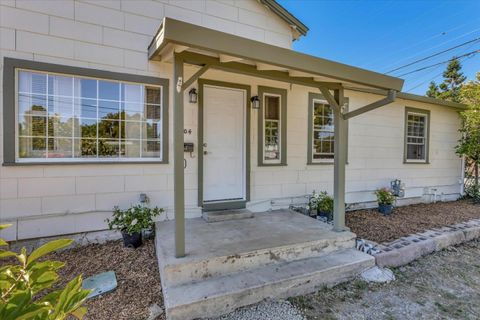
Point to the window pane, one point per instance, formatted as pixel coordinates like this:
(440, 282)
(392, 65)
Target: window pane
(152, 95)
(152, 130)
(109, 129)
(132, 93)
(60, 148)
(60, 85)
(60, 127)
(108, 148)
(132, 111)
(32, 82)
(153, 112)
(108, 90)
(32, 104)
(85, 148)
(272, 107)
(60, 106)
(85, 108)
(32, 147)
(86, 128)
(86, 88)
(131, 130)
(130, 148)
(416, 152)
(108, 109)
(33, 126)
(323, 134)
(150, 149)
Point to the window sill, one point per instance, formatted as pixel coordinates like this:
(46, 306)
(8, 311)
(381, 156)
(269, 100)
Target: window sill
(328, 163)
(76, 163)
(416, 162)
(272, 164)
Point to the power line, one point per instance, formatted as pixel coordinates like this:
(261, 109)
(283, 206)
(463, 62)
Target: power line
(437, 64)
(434, 55)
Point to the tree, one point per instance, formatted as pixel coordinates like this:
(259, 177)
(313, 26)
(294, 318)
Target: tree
(25, 287)
(469, 144)
(449, 89)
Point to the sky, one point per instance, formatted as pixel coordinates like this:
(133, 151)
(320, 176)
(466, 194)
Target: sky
(383, 35)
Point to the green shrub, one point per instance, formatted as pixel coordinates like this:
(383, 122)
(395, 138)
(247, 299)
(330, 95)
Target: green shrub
(320, 201)
(134, 219)
(24, 286)
(385, 196)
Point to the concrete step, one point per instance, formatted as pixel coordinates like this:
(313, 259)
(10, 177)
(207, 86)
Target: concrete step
(225, 215)
(184, 271)
(219, 295)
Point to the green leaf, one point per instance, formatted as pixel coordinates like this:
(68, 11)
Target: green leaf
(6, 254)
(3, 242)
(47, 248)
(5, 226)
(79, 313)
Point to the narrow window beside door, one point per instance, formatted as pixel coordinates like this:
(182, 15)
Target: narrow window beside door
(323, 132)
(416, 135)
(272, 128)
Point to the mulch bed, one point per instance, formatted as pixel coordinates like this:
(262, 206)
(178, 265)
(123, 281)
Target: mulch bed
(137, 277)
(371, 225)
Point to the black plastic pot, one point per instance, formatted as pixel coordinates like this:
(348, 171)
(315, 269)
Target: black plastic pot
(133, 240)
(326, 214)
(385, 209)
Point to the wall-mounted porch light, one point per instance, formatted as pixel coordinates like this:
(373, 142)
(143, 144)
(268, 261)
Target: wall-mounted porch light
(192, 95)
(255, 102)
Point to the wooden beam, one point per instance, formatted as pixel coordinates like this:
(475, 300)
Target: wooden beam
(178, 168)
(226, 58)
(331, 100)
(195, 76)
(264, 66)
(242, 68)
(374, 105)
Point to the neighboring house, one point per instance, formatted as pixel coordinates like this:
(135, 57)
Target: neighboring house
(87, 116)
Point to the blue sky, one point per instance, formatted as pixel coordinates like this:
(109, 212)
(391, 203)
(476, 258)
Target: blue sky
(382, 35)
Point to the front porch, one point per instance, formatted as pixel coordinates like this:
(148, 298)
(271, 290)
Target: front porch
(240, 262)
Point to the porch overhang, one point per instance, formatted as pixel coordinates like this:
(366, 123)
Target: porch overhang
(176, 36)
(183, 43)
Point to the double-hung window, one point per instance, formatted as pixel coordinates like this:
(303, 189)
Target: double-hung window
(321, 130)
(417, 123)
(272, 126)
(71, 118)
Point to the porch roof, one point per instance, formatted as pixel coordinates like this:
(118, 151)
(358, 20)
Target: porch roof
(177, 36)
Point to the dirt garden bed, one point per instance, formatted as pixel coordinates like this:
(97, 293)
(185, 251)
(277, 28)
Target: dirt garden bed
(137, 277)
(371, 225)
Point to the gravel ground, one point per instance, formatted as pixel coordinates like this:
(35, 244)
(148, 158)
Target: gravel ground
(371, 225)
(267, 310)
(444, 285)
(137, 277)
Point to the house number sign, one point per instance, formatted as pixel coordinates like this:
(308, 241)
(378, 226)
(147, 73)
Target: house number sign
(187, 131)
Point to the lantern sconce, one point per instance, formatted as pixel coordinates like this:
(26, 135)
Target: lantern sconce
(255, 102)
(192, 95)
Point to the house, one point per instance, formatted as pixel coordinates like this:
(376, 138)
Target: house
(87, 113)
(203, 106)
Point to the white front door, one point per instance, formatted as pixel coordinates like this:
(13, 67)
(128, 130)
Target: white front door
(224, 143)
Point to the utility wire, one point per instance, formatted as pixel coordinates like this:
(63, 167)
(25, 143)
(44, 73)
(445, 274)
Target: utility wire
(433, 55)
(437, 64)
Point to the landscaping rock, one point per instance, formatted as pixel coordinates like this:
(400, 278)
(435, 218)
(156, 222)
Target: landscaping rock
(267, 310)
(377, 274)
(155, 312)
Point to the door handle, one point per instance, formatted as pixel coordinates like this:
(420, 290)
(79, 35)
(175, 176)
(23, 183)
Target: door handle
(205, 152)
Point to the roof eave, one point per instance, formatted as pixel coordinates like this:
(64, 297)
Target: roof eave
(284, 14)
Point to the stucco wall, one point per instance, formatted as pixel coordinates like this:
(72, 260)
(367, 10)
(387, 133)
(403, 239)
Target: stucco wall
(44, 200)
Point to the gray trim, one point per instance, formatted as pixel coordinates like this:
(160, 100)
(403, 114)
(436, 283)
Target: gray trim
(222, 204)
(412, 97)
(427, 149)
(185, 34)
(317, 96)
(9, 120)
(262, 90)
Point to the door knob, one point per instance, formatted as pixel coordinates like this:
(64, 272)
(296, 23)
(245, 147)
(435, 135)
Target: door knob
(205, 152)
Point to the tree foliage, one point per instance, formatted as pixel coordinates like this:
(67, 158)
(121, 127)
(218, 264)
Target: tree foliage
(450, 88)
(469, 144)
(25, 287)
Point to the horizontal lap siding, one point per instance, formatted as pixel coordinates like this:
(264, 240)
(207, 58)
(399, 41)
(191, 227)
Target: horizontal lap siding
(112, 36)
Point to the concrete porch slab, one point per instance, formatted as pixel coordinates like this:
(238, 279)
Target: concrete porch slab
(233, 263)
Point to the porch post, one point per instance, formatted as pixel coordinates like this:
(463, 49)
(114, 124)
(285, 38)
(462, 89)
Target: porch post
(178, 169)
(340, 158)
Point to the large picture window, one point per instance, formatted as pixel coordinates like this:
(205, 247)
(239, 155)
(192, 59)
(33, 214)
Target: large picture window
(272, 126)
(416, 135)
(77, 118)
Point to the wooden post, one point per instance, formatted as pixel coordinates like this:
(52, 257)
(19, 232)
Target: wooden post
(340, 149)
(178, 168)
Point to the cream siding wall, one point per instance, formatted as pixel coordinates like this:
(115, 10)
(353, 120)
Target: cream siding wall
(45, 200)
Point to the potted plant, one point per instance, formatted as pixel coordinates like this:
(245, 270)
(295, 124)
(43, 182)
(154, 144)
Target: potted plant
(132, 221)
(325, 206)
(385, 199)
(312, 205)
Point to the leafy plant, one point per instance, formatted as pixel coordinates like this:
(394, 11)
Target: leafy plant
(320, 201)
(134, 219)
(385, 196)
(24, 286)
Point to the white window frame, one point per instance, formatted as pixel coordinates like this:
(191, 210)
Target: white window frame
(97, 159)
(312, 134)
(279, 121)
(426, 136)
